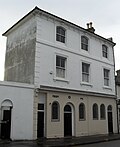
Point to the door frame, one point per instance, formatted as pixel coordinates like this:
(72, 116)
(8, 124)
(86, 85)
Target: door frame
(41, 111)
(73, 117)
(109, 111)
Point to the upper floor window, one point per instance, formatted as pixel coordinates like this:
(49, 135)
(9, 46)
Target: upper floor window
(95, 111)
(105, 51)
(82, 111)
(106, 77)
(84, 43)
(85, 72)
(60, 66)
(60, 34)
(55, 111)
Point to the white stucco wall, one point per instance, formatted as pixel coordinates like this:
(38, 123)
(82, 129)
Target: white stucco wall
(47, 48)
(21, 95)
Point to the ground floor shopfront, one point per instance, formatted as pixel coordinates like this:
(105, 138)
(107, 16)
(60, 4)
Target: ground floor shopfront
(59, 113)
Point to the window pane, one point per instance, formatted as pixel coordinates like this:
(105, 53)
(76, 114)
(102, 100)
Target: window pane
(60, 34)
(55, 110)
(67, 108)
(40, 106)
(63, 62)
(60, 66)
(95, 111)
(105, 51)
(85, 72)
(102, 111)
(82, 111)
(106, 77)
(57, 61)
(84, 43)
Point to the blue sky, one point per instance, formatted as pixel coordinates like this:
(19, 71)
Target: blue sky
(105, 15)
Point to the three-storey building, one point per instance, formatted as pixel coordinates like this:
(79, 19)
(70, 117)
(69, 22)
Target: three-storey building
(72, 69)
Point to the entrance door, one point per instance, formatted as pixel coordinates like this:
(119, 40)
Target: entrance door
(110, 120)
(67, 121)
(40, 122)
(6, 124)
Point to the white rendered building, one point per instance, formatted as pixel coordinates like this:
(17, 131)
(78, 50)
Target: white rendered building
(72, 69)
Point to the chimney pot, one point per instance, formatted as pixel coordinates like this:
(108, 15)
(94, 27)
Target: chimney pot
(87, 25)
(90, 24)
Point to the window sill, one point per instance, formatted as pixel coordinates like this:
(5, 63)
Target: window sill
(82, 119)
(107, 87)
(55, 120)
(61, 79)
(86, 84)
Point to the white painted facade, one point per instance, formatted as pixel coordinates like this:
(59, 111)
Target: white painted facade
(47, 48)
(21, 98)
(70, 90)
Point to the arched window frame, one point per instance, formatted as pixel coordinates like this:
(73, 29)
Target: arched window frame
(102, 112)
(82, 115)
(60, 34)
(84, 43)
(95, 112)
(55, 111)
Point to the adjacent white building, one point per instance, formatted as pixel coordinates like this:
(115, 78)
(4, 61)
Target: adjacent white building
(16, 110)
(72, 69)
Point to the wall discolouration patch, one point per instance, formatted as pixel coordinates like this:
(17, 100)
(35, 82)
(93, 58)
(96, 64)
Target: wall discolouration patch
(20, 55)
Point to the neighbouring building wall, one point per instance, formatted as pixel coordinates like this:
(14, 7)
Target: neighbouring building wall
(20, 53)
(21, 97)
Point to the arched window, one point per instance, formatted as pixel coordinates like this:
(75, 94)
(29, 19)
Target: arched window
(95, 111)
(60, 34)
(82, 111)
(55, 111)
(105, 51)
(110, 108)
(84, 43)
(102, 111)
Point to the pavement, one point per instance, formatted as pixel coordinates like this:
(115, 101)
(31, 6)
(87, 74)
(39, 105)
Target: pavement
(61, 142)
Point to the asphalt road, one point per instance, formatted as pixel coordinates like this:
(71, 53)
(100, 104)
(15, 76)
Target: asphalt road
(115, 143)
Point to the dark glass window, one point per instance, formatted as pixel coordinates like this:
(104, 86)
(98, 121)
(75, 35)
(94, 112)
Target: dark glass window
(60, 34)
(67, 108)
(55, 110)
(102, 111)
(40, 106)
(84, 43)
(82, 111)
(95, 111)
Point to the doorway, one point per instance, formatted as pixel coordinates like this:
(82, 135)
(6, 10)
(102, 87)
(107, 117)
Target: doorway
(40, 121)
(68, 120)
(6, 114)
(110, 120)
(6, 124)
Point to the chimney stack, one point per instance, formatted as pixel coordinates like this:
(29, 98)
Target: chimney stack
(90, 27)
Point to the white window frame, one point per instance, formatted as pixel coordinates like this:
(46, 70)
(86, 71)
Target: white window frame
(86, 73)
(64, 36)
(85, 43)
(105, 52)
(106, 78)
